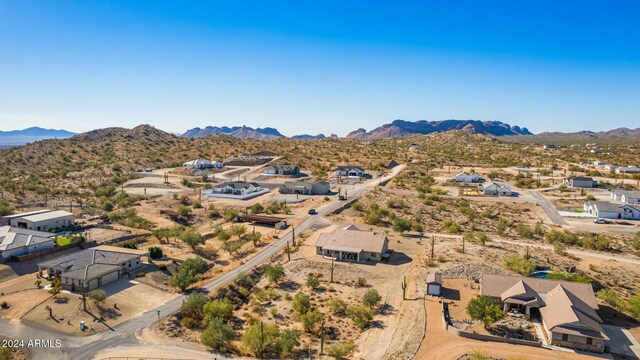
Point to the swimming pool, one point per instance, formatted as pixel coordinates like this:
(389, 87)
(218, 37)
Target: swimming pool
(540, 274)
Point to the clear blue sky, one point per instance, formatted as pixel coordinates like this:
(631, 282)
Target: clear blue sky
(318, 66)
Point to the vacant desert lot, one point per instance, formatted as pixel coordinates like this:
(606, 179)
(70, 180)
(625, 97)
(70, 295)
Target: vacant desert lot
(131, 298)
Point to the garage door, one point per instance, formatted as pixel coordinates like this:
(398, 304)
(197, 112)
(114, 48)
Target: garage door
(110, 277)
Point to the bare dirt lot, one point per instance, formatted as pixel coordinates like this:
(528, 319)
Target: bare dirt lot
(130, 298)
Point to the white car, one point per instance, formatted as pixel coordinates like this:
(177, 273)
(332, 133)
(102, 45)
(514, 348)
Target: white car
(600, 221)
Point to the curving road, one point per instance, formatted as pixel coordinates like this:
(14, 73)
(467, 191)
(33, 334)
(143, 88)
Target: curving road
(124, 334)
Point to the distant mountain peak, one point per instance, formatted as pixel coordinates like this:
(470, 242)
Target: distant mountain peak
(31, 134)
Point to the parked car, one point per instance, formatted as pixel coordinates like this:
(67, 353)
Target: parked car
(312, 212)
(600, 221)
(342, 197)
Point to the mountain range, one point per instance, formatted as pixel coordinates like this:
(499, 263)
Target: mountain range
(400, 128)
(241, 132)
(21, 137)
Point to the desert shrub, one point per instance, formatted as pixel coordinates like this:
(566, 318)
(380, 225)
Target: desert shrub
(361, 315)
(274, 273)
(193, 306)
(371, 298)
(155, 252)
(341, 351)
(217, 334)
(301, 303)
(218, 309)
(310, 320)
(98, 296)
(337, 306)
(313, 282)
(262, 339)
(519, 264)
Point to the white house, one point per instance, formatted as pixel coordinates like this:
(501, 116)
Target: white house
(198, 164)
(217, 164)
(599, 163)
(495, 189)
(467, 177)
(627, 197)
(282, 170)
(237, 188)
(43, 220)
(16, 241)
(350, 171)
(608, 210)
(628, 170)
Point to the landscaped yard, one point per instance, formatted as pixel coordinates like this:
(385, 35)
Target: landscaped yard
(61, 240)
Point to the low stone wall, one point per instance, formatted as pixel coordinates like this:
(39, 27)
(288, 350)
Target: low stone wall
(482, 337)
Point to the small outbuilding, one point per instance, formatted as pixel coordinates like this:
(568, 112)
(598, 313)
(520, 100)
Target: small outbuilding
(434, 284)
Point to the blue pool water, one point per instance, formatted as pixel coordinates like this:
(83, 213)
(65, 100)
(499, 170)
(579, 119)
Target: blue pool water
(540, 274)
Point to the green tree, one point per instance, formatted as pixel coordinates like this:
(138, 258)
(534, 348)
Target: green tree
(289, 339)
(371, 298)
(361, 315)
(254, 238)
(485, 309)
(183, 278)
(192, 238)
(301, 303)
(257, 208)
(155, 252)
(238, 230)
(310, 320)
(401, 225)
(223, 236)
(217, 334)
(261, 339)
(6, 208)
(312, 281)
(218, 309)
(337, 306)
(274, 273)
(230, 214)
(184, 211)
(193, 306)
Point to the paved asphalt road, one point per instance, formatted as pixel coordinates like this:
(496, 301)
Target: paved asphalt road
(124, 334)
(548, 208)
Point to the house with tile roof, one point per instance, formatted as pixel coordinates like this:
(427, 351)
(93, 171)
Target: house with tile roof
(567, 310)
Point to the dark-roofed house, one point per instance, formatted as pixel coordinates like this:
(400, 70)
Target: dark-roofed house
(581, 182)
(305, 188)
(17, 241)
(282, 170)
(92, 268)
(353, 245)
(567, 310)
(608, 210)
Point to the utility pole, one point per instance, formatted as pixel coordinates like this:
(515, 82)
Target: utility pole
(293, 234)
(288, 252)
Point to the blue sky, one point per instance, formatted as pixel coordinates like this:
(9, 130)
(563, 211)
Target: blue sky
(318, 66)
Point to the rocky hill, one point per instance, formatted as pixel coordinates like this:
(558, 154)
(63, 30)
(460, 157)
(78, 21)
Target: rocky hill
(401, 128)
(20, 137)
(241, 132)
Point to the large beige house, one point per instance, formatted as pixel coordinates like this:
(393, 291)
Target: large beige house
(567, 310)
(353, 245)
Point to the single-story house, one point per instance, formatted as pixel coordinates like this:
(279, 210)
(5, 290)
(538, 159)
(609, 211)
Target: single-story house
(599, 163)
(282, 170)
(581, 182)
(628, 170)
(608, 210)
(495, 189)
(567, 310)
(434, 284)
(467, 177)
(353, 245)
(550, 146)
(305, 188)
(627, 197)
(90, 269)
(198, 164)
(237, 188)
(350, 171)
(17, 241)
(42, 220)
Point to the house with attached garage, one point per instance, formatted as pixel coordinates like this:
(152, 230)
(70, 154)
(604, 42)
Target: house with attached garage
(467, 177)
(495, 189)
(282, 170)
(580, 182)
(198, 164)
(42, 220)
(609, 210)
(353, 245)
(237, 188)
(93, 268)
(305, 188)
(350, 171)
(17, 241)
(567, 310)
(628, 170)
(625, 196)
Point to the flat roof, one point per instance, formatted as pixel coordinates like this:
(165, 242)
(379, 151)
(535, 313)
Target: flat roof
(8, 217)
(46, 215)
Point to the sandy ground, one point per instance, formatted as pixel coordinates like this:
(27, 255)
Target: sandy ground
(132, 299)
(441, 345)
(153, 352)
(21, 302)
